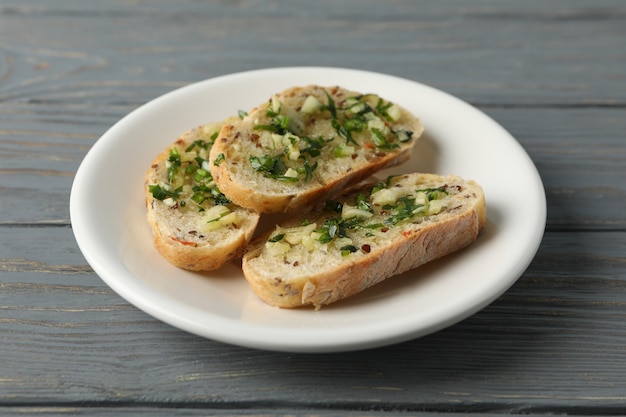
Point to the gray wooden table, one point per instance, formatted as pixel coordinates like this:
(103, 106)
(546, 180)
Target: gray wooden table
(551, 72)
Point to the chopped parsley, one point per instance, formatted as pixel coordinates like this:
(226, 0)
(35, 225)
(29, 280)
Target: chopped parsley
(272, 166)
(362, 203)
(406, 208)
(336, 227)
(347, 250)
(361, 121)
(332, 109)
(382, 108)
(188, 178)
(307, 170)
(381, 141)
(161, 193)
(218, 160)
(277, 166)
(202, 144)
(313, 145)
(279, 123)
(277, 238)
(173, 163)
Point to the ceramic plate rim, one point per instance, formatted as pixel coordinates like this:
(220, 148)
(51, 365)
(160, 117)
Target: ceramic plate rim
(101, 249)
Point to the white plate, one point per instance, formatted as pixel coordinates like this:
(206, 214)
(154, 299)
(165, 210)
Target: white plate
(108, 219)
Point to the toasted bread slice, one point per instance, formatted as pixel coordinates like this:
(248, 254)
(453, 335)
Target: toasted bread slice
(307, 143)
(194, 225)
(346, 245)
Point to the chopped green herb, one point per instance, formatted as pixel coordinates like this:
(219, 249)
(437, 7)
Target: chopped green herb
(190, 169)
(382, 107)
(390, 179)
(174, 163)
(354, 120)
(332, 109)
(404, 135)
(374, 226)
(313, 145)
(199, 161)
(269, 128)
(192, 172)
(218, 160)
(342, 131)
(362, 203)
(161, 194)
(358, 105)
(434, 193)
(192, 146)
(279, 123)
(347, 250)
(198, 197)
(269, 164)
(343, 225)
(218, 197)
(307, 170)
(201, 175)
(405, 209)
(381, 141)
(354, 124)
(277, 238)
(379, 186)
(343, 151)
(328, 230)
(332, 205)
(335, 227)
(200, 143)
(271, 167)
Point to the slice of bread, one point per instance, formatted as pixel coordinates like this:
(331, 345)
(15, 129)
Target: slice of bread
(194, 225)
(307, 143)
(346, 245)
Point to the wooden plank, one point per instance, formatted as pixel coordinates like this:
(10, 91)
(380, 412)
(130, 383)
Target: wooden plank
(65, 337)
(580, 155)
(227, 411)
(514, 53)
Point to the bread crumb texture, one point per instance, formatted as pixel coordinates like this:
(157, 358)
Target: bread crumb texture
(348, 244)
(195, 226)
(307, 143)
(299, 152)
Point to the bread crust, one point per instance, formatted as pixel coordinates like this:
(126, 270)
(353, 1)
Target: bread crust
(416, 245)
(178, 234)
(239, 140)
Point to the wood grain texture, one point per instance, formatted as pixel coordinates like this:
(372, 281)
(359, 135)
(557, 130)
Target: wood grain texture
(61, 91)
(528, 52)
(224, 411)
(68, 338)
(552, 74)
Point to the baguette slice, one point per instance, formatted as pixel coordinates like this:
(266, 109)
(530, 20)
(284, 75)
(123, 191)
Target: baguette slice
(364, 237)
(199, 229)
(307, 143)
